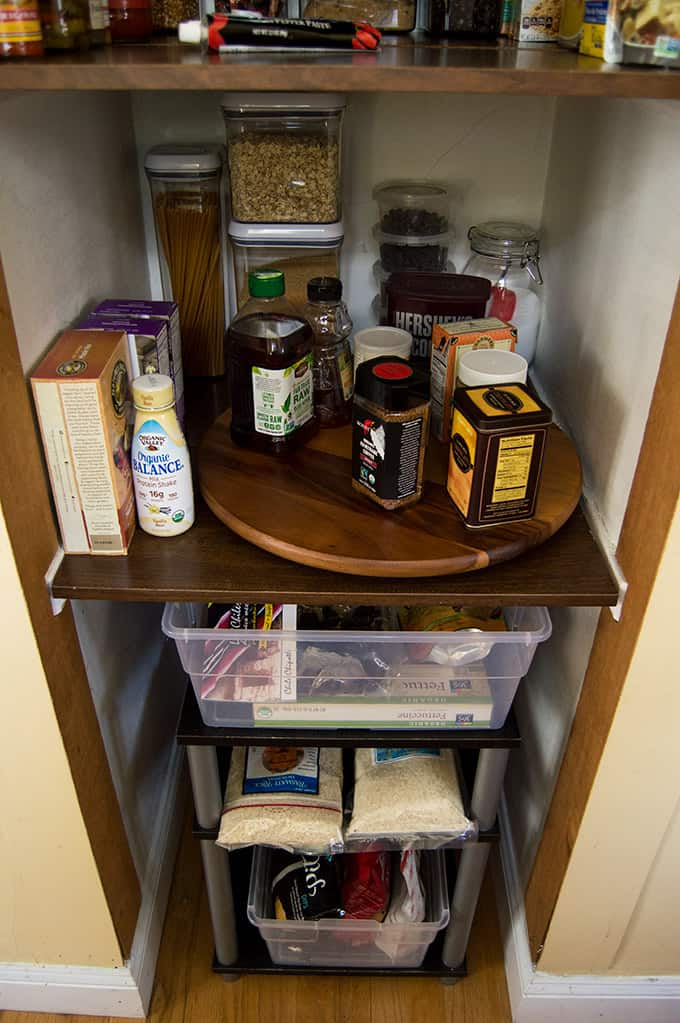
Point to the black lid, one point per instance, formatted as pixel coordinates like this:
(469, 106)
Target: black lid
(385, 381)
(324, 289)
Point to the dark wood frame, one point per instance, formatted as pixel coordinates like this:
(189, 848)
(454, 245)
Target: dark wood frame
(649, 514)
(30, 524)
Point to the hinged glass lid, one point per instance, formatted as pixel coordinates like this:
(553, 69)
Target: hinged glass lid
(508, 241)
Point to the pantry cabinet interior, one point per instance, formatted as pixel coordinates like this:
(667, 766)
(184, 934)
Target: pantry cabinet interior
(594, 172)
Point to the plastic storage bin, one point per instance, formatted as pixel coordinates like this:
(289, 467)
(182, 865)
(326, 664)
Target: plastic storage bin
(413, 207)
(338, 679)
(427, 253)
(361, 943)
(301, 251)
(284, 156)
(476, 19)
(185, 183)
(391, 16)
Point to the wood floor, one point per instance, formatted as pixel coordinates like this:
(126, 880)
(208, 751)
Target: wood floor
(188, 992)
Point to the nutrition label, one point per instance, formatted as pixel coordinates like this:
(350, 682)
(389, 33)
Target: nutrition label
(513, 467)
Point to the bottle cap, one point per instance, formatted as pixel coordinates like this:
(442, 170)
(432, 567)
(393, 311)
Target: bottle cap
(266, 283)
(385, 381)
(189, 32)
(324, 289)
(153, 391)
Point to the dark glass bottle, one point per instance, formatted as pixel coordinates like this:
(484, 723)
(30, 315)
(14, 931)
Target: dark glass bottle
(333, 364)
(65, 24)
(130, 21)
(269, 353)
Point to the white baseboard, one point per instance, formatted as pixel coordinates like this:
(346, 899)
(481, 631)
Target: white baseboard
(538, 997)
(116, 991)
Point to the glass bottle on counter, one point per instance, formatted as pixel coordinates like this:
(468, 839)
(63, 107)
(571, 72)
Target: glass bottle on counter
(20, 31)
(270, 370)
(507, 254)
(130, 21)
(330, 321)
(100, 23)
(65, 24)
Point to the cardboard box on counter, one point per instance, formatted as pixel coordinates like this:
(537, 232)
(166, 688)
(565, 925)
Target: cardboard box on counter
(81, 392)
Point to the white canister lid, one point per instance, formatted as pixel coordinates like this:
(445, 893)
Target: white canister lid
(484, 366)
(282, 102)
(170, 159)
(295, 235)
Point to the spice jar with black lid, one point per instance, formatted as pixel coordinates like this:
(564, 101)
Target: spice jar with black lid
(389, 433)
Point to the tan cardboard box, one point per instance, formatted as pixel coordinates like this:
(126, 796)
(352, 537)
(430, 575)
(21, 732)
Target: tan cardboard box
(81, 392)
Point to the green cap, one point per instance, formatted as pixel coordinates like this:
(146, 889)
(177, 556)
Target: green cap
(266, 283)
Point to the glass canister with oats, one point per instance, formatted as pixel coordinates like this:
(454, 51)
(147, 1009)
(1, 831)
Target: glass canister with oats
(284, 154)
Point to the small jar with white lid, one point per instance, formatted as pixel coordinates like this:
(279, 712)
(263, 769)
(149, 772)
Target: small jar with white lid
(284, 154)
(507, 254)
(185, 184)
(161, 469)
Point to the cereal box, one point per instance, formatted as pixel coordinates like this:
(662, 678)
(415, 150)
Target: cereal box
(81, 392)
(449, 342)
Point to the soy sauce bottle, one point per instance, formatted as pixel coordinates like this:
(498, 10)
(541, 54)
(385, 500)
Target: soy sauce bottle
(270, 363)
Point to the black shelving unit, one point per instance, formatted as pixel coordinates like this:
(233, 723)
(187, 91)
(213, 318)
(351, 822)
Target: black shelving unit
(239, 948)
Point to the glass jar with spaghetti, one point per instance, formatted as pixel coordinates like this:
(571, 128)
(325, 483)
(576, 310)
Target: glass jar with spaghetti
(185, 186)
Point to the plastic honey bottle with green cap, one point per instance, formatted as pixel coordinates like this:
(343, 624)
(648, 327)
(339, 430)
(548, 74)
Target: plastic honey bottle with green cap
(270, 362)
(161, 469)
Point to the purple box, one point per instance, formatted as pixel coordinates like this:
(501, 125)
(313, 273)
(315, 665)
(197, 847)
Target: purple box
(167, 311)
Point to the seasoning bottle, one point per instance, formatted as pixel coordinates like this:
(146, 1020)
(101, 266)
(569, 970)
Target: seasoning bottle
(100, 23)
(270, 369)
(330, 321)
(65, 24)
(20, 31)
(130, 21)
(161, 469)
(389, 433)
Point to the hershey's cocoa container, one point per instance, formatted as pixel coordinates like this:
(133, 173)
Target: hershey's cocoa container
(418, 301)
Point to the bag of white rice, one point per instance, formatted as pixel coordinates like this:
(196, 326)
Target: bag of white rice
(407, 797)
(284, 796)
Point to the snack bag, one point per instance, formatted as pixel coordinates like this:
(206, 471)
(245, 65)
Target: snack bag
(643, 32)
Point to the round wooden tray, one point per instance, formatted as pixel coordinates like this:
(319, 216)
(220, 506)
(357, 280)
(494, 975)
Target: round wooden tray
(304, 508)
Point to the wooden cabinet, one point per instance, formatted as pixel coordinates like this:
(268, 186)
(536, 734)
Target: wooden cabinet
(599, 146)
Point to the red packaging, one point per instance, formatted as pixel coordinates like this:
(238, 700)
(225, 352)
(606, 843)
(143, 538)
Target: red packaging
(366, 885)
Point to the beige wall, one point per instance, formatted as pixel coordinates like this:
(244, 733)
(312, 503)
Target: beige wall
(52, 907)
(618, 908)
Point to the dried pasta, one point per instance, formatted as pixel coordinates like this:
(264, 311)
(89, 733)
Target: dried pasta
(188, 226)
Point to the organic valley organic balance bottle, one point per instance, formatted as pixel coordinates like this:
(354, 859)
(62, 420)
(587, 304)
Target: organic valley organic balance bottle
(161, 469)
(270, 370)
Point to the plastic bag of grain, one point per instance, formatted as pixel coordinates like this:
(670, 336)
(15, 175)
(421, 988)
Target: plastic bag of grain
(407, 797)
(284, 796)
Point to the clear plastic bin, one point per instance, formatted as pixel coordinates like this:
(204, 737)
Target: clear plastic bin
(284, 156)
(384, 681)
(426, 253)
(301, 251)
(362, 943)
(413, 207)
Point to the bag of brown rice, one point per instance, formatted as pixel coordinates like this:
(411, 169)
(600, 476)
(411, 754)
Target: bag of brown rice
(284, 796)
(407, 797)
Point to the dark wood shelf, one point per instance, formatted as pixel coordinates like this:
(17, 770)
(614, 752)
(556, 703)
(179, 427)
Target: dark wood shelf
(404, 64)
(192, 732)
(209, 562)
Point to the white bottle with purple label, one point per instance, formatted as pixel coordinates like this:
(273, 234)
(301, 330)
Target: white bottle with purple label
(161, 469)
